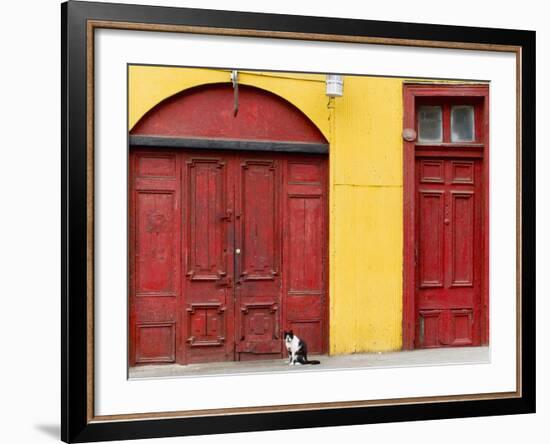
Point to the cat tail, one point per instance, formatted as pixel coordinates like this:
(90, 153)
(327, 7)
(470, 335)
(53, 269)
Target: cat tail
(315, 362)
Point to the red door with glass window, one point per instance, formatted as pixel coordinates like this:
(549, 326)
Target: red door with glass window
(446, 217)
(227, 247)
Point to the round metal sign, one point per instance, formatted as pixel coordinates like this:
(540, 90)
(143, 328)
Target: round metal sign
(409, 134)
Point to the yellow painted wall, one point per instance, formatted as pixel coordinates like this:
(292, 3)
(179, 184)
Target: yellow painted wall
(366, 188)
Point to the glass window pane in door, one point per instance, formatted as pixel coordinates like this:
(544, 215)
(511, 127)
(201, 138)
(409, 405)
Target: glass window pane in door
(462, 124)
(430, 124)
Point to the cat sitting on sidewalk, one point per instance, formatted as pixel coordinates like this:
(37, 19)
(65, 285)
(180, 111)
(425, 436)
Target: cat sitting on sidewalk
(297, 349)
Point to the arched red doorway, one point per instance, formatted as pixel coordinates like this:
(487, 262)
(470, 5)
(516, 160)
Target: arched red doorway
(228, 228)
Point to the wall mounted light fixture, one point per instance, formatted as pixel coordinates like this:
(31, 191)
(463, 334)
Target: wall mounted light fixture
(335, 85)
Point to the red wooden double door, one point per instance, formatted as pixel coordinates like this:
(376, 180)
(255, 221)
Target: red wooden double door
(227, 249)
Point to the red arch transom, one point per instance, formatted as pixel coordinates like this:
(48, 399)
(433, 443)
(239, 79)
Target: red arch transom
(207, 111)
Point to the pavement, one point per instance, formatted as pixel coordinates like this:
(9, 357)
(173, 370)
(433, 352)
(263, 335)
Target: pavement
(426, 357)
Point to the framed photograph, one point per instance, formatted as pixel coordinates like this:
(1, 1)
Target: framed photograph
(275, 221)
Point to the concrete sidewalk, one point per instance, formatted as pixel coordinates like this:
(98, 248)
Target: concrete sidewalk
(440, 356)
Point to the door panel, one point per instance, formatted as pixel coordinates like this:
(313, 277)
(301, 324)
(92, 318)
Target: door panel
(305, 245)
(154, 257)
(431, 248)
(448, 228)
(258, 220)
(258, 239)
(208, 246)
(206, 205)
(155, 248)
(228, 250)
(462, 238)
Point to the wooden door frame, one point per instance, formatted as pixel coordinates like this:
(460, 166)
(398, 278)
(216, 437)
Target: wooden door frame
(412, 91)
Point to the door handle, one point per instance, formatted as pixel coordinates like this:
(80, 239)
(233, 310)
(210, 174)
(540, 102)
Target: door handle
(225, 282)
(227, 215)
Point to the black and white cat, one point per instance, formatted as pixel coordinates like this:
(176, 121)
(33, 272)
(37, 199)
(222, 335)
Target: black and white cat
(297, 349)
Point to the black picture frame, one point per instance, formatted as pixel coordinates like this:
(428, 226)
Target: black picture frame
(76, 423)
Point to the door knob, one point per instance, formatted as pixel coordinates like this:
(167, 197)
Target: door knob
(238, 251)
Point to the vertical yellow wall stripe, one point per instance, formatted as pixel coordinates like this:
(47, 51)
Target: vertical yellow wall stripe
(368, 205)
